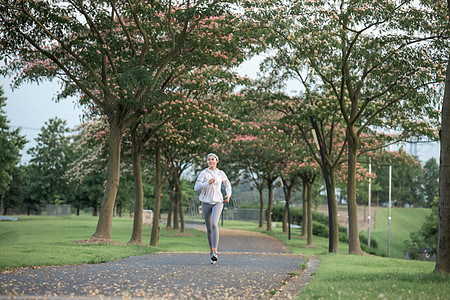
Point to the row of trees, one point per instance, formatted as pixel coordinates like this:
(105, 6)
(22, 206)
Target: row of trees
(370, 74)
(54, 176)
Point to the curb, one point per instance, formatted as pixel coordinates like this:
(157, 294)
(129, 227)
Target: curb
(299, 282)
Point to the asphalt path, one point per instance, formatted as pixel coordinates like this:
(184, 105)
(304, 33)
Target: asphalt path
(251, 266)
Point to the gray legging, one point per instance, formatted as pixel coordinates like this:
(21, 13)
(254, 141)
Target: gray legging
(211, 213)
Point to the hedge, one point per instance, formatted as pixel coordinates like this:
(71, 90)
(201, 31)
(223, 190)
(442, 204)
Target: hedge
(320, 227)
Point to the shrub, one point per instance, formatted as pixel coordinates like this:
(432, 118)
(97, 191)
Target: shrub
(320, 227)
(296, 215)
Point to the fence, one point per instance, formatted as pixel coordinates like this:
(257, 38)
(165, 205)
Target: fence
(244, 195)
(58, 210)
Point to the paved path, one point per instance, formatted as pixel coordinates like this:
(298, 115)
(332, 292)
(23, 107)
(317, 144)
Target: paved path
(250, 266)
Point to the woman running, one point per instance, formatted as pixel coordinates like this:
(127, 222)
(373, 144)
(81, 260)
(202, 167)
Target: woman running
(209, 182)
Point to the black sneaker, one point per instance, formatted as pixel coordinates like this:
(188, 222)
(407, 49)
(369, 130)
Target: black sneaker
(214, 257)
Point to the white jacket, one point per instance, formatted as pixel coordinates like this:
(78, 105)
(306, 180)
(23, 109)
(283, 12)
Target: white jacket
(211, 193)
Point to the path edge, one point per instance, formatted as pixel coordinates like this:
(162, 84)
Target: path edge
(297, 283)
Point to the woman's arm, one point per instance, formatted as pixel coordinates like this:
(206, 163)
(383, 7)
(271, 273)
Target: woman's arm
(227, 184)
(200, 184)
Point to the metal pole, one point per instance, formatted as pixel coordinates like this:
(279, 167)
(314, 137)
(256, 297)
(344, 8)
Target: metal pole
(389, 207)
(287, 205)
(369, 201)
(327, 182)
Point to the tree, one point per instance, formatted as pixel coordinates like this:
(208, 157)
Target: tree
(381, 72)
(427, 236)
(324, 148)
(86, 171)
(115, 55)
(443, 248)
(188, 119)
(431, 181)
(260, 151)
(12, 142)
(49, 162)
(407, 174)
(14, 196)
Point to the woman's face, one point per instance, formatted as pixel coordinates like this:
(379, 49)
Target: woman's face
(212, 161)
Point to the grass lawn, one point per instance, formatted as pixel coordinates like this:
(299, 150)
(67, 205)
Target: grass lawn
(344, 276)
(44, 240)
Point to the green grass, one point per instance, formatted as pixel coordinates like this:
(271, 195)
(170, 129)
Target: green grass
(344, 276)
(43, 241)
(403, 222)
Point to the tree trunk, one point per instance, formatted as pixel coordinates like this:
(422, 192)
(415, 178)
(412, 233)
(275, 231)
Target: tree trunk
(158, 189)
(443, 247)
(3, 211)
(305, 209)
(176, 205)
(171, 202)
(309, 232)
(136, 150)
(179, 201)
(354, 246)
(120, 210)
(269, 205)
(261, 206)
(286, 207)
(333, 213)
(103, 230)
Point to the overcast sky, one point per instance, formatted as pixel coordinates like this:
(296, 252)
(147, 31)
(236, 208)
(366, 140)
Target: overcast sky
(31, 105)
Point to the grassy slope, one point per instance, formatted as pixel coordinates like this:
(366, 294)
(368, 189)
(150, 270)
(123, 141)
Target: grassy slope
(403, 222)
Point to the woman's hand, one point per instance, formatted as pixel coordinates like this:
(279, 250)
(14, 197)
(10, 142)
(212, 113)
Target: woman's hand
(227, 198)
(211, 181)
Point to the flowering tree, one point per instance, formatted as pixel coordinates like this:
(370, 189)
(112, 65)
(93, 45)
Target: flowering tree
(87, 167)
(115, 55)
(258, 147)
(299, 165)
(382, 73)
(186, 119)
(407, 174)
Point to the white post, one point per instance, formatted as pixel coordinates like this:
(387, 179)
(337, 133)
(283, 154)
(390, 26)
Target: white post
(369, 202)
(389, 207)
(347, 226)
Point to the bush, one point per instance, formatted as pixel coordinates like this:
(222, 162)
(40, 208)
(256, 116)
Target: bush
(295, 212)
(320, 228)
(296, 215)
